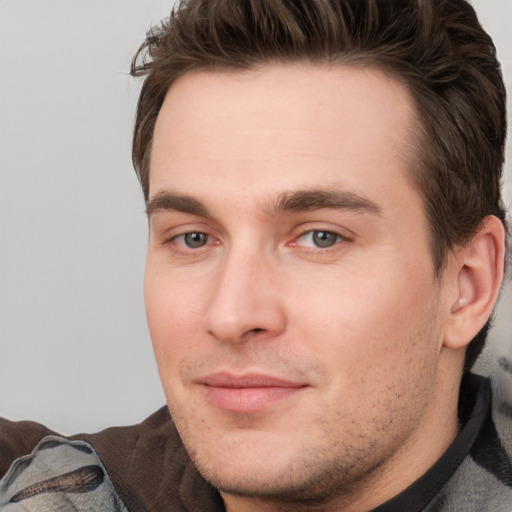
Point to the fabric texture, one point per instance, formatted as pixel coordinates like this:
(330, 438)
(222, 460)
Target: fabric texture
(59, 475)
(146, 468)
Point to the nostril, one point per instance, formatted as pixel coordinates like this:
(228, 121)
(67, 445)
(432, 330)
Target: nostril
(251, 332)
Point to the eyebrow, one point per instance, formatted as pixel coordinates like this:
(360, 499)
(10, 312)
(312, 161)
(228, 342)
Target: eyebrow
(296, 201)
(168, 201)
(307, 200)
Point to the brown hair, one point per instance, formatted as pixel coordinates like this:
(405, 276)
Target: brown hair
(436, 47)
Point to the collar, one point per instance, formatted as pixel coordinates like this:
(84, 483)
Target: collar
(474, 409)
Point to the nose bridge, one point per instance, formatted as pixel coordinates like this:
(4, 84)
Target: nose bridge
(244, 299)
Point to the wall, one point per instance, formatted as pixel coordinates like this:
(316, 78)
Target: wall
(74, 349)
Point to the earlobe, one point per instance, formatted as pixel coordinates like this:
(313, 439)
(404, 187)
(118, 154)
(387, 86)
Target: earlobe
(480, 274)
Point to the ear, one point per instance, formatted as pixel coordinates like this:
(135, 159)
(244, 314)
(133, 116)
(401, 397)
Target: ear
(478, 268)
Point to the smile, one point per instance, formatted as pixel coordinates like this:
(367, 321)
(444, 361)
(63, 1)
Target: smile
(247, 393)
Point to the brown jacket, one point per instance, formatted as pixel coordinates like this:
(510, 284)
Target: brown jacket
(147, 463)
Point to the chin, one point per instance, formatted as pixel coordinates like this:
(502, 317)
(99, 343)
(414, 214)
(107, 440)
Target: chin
(295, 485)
(275, 472)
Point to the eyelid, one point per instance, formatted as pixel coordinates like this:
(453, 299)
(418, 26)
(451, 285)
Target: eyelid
(164, 222)
(340, 237)
(305, 228)
(174, 232)
(174, 238)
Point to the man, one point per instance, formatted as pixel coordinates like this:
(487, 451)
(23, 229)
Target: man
(327, 244)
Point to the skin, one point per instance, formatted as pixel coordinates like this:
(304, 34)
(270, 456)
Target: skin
(333, 293)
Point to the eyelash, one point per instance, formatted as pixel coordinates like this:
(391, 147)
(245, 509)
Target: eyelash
(338, 238)
(174, 238)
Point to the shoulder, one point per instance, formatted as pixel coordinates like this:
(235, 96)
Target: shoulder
(59, 474)
(18, 439)
(150, 467)
(483, 481)
(140, 458)
(140, 467)
(502, 402)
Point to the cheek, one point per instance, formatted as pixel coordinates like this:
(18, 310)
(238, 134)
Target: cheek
(363, 318)
(377, 343)
(174, 317)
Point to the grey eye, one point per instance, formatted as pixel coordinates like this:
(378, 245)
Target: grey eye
(195, 240)
(324, 238)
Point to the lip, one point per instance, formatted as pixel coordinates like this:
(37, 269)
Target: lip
(248, 392)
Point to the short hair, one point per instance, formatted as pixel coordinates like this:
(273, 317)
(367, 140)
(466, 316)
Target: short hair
(437, 48)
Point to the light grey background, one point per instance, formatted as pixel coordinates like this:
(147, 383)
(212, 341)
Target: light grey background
(75, 353)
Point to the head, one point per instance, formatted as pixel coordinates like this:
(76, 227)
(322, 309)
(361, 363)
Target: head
(438, 50)
(323, 184)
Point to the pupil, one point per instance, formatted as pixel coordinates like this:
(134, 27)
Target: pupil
(324, 238)
(195, 240)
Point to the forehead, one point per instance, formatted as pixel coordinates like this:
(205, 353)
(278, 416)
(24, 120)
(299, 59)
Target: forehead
(282, 125)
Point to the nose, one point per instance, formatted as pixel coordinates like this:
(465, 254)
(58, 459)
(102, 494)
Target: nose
(245, 302)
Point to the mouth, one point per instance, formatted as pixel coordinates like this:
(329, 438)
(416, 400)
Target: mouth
(248, 392)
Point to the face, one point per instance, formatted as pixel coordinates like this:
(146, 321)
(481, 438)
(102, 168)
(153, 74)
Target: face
(290, 290)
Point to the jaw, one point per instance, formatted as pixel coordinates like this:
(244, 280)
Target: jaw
(261, 457)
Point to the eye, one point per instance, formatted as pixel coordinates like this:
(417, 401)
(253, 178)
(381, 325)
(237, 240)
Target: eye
(193, 240)
(320, 239)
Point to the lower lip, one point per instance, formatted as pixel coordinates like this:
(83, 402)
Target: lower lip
(248, 399)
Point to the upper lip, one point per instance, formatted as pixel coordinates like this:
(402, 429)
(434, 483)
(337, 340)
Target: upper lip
(247, 380)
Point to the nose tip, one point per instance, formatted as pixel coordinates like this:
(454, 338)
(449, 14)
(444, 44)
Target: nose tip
(246, 322)
(244, 305)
